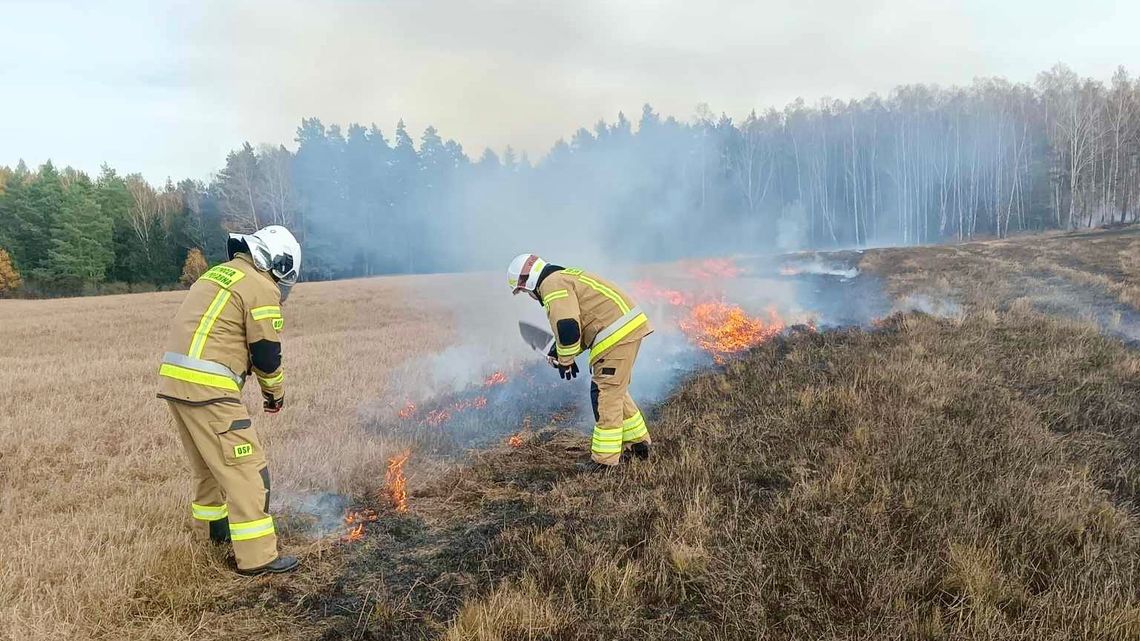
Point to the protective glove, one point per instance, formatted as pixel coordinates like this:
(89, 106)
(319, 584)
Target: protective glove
(272, 405)
(568, 373)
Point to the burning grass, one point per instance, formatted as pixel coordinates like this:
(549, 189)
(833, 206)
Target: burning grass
(723, 330)
(395, 484)
(712, 324)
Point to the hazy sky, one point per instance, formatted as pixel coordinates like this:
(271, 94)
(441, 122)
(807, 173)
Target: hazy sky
(167, 89)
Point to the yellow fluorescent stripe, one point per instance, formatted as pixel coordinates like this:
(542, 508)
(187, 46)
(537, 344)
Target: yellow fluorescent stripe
(605, 291)
(251, 529)
(198, 378)
(207, 323)
(635, 432)
(567, 351)
(603, 449)
(634, 420)
(263, 313)
(272, 380)
(555, 295)
(209, 512)
(613, 339)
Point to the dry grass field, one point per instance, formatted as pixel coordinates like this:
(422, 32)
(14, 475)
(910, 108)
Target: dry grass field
(974, 475)
(92, 483)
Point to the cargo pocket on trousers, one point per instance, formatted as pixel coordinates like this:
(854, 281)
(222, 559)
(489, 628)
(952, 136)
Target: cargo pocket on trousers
(238, 441)
(604, 370)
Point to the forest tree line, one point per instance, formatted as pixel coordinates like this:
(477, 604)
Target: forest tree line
(924, 164)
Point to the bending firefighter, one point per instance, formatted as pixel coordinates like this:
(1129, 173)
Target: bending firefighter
(227, 328)
(589, 313)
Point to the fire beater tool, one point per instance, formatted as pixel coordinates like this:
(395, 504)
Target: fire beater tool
(539, 339)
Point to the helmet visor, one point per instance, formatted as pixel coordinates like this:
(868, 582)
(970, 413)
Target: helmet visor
(285, 270)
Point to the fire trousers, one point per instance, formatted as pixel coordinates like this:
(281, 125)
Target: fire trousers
(231, 480)
(618, 421)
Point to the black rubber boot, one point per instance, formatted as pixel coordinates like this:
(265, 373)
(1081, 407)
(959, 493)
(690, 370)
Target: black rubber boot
(280, 565)
(220, 531)
(640, 450)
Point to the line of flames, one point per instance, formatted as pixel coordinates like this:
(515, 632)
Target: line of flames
(716, 326)
(441, 415)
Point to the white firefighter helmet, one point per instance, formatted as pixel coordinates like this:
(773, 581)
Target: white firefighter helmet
(523, 273)
(274, 250)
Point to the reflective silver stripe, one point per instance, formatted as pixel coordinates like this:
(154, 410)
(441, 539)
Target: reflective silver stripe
(210, 367)
(616, 325)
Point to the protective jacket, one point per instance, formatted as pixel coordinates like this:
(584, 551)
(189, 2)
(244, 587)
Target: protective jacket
(226, 329)
(587, 312)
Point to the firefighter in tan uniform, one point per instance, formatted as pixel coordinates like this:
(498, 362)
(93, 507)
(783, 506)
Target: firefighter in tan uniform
(226, 329)
(587, 312)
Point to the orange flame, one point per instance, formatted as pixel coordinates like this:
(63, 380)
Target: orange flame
(355, 521)
(354, 534)
(498, 378)
(516, 440)
(395, 483)
(408, 411)
(723, 329)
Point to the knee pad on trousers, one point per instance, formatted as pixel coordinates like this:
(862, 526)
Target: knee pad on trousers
(265, 481)
(220, 530)
(594, 391)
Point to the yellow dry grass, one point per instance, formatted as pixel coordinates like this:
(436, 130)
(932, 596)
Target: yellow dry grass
(93, 490)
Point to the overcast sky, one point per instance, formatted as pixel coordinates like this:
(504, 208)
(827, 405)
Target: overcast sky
(167, 88)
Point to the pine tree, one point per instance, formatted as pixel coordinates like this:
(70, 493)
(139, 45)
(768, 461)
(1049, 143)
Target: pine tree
(81, 246)
(194, 267)
(33, 209)
(115, 201)
(9, 277)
